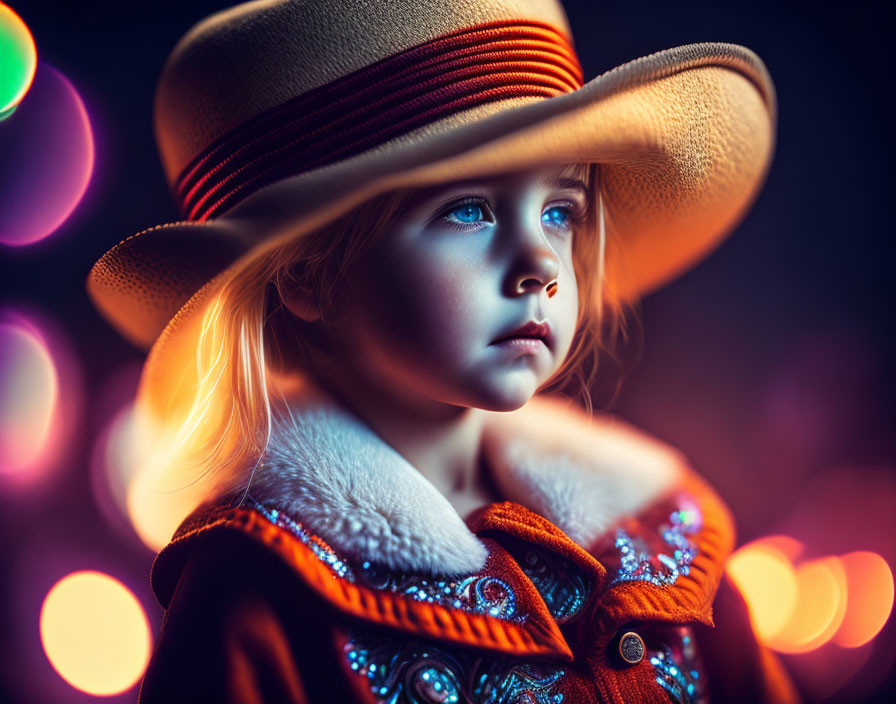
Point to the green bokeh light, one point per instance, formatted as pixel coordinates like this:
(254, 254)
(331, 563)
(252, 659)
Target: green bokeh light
(18, 59)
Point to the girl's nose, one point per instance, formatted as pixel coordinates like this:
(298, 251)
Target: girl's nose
(536, 266)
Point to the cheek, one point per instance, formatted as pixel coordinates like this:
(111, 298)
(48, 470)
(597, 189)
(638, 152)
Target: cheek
(566, 307)
(427, 306)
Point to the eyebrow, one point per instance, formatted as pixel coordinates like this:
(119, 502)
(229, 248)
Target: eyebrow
(563, 182)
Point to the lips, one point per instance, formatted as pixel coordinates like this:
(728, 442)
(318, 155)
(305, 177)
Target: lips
(538, 330)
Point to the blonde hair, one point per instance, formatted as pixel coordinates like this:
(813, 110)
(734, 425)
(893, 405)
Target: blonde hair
(250, 343)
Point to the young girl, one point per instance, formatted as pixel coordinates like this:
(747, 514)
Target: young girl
(408, 227)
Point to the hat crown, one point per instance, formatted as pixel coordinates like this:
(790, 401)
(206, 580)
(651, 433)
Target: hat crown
(240, 62)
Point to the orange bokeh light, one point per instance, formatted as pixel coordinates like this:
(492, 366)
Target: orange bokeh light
(95, 633)
(789, 547)
(870, 586)
(846, 599)
(767, 580)
(819, 610)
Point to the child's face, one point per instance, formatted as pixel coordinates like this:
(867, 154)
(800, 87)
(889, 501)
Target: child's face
(466, 265)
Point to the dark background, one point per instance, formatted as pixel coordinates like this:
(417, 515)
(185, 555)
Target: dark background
(769, 365)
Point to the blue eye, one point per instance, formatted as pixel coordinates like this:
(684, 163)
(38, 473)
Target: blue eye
(557, 216)
(467, 213)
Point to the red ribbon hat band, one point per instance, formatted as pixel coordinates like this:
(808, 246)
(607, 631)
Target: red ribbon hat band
(410, 89)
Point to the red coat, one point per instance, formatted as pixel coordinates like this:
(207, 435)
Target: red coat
(281, 599)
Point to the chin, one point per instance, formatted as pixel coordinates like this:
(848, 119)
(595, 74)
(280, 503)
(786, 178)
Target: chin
(506, 398)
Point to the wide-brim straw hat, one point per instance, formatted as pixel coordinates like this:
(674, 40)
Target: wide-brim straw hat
(276, 117)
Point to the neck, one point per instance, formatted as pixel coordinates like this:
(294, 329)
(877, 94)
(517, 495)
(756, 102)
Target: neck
(441, 441)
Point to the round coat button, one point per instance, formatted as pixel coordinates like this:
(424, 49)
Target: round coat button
(631, 648)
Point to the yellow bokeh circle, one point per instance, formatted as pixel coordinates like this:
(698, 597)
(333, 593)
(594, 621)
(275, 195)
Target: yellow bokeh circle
(95, 633)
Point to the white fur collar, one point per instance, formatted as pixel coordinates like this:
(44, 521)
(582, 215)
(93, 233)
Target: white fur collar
(329, 470)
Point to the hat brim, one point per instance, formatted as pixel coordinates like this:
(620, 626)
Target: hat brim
(684, 138)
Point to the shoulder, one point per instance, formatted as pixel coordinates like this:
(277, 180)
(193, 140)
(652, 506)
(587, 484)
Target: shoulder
(587, 472)
(227, 544)
(239, 625)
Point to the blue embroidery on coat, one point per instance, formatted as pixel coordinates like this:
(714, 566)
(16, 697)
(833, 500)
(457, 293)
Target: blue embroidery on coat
(324, 552)
(678, 668)
(399, 671)
(481, 594)
(564, 587)
(644, 558)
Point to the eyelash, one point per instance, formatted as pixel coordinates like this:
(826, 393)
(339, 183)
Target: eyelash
(465, 226)
(575, 216)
